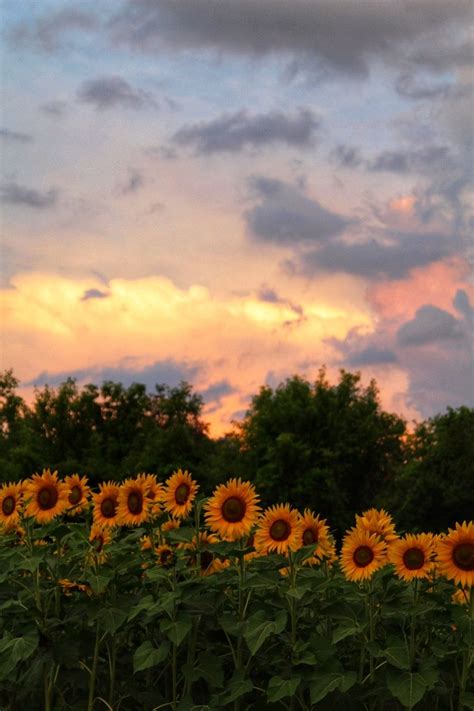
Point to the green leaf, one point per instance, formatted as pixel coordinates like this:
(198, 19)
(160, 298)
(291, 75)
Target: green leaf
(146, 655)
(279, 688)
(343, 631)
(181, 535)
(112, 618)
(176, 631)
(16, 649)
(235, 689)
(348, 680)
(407, 687)
(144, 604)
(210, 668)
(322, 685)
(258, 628)
(396, 653)
(98, 583)
(298, 592)
(467, 699)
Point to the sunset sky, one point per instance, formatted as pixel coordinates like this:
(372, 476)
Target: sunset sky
(232, 192)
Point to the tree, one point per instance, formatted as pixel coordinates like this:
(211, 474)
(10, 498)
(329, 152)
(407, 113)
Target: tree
(327, 447)
(435, 488)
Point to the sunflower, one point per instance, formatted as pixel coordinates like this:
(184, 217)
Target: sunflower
(461, 597)
(133, 504)
(79, 493)
(11, 500)
(46, 496)
(105, 504)
(99, 536)
(179, 493)
(68, 586)
(315, 531)
(279, 529)
(165, 556)
(379, 522)
(456, 554)
(232, 510)
(362, 554)
(155, 493)
(207, 562)
(170, 525)
(412, 556)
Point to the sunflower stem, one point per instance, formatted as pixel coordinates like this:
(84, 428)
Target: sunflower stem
(466, 658)
(95, 661)
(293, 614)
(412, 648)
(242, 611)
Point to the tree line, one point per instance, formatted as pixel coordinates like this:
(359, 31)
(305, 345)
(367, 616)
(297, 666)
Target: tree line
(327, 447)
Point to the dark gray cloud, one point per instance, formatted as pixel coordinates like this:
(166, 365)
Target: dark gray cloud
(377, 260)
(14, 194)
(285, 216)
(346, 156)
(341, 34)
(233, 132)
(424, 160)
(15, 136)
(168, 372)
(270, 296)
(216, 391)
(57, 109)
(411, 87)
(94, 294)
(372, 355)
(134, 182)
(360, 350)
(430, 325)
(47, 32)
(109, 92)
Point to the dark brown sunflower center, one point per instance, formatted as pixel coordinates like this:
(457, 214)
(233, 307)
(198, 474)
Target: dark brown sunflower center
(463, 556)
(8, 505)
(362, 556)
(166, 557)
(181, 494)
(309, 537)
(108, 507)
(75, 495)
(413, 559)
(135, 502)
(233, 509)
(47, 497)
(98, 543)
(280, 530)
(206, 559)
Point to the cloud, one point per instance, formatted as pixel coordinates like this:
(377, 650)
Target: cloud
(166, 372)
(430, 325)
(424, 160)
(55, 109)
(134, 182)
(15, 136)
(376, 260)
(108, 92)
(340, 34)
(216, 391)
(346, 156)
(233, 132)
(94, 294)
(286, 216)
(47, 32)
(14, 194)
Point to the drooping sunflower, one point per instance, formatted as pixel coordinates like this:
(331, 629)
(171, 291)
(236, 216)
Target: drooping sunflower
(233, 509)
(456, 554)
(180, 492)
(106, 504)
(155, 493)
(133, 504)
(46, 496)
(315, 531)
(165, 556)
(11, 501)
(78, 495)
(412, 556)
(99, 537)
(206, 560)
(379, 522)
(67, 586)
(362, 554)
(461, 597)
(279, 529)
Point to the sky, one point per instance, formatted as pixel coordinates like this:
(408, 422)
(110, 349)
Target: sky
(234, 192)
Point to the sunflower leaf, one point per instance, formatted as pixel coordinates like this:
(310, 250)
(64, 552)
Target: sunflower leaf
(279, 688)
(407, 687)
(146, 655)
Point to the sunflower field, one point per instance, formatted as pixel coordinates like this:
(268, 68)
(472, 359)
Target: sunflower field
(145, 595)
